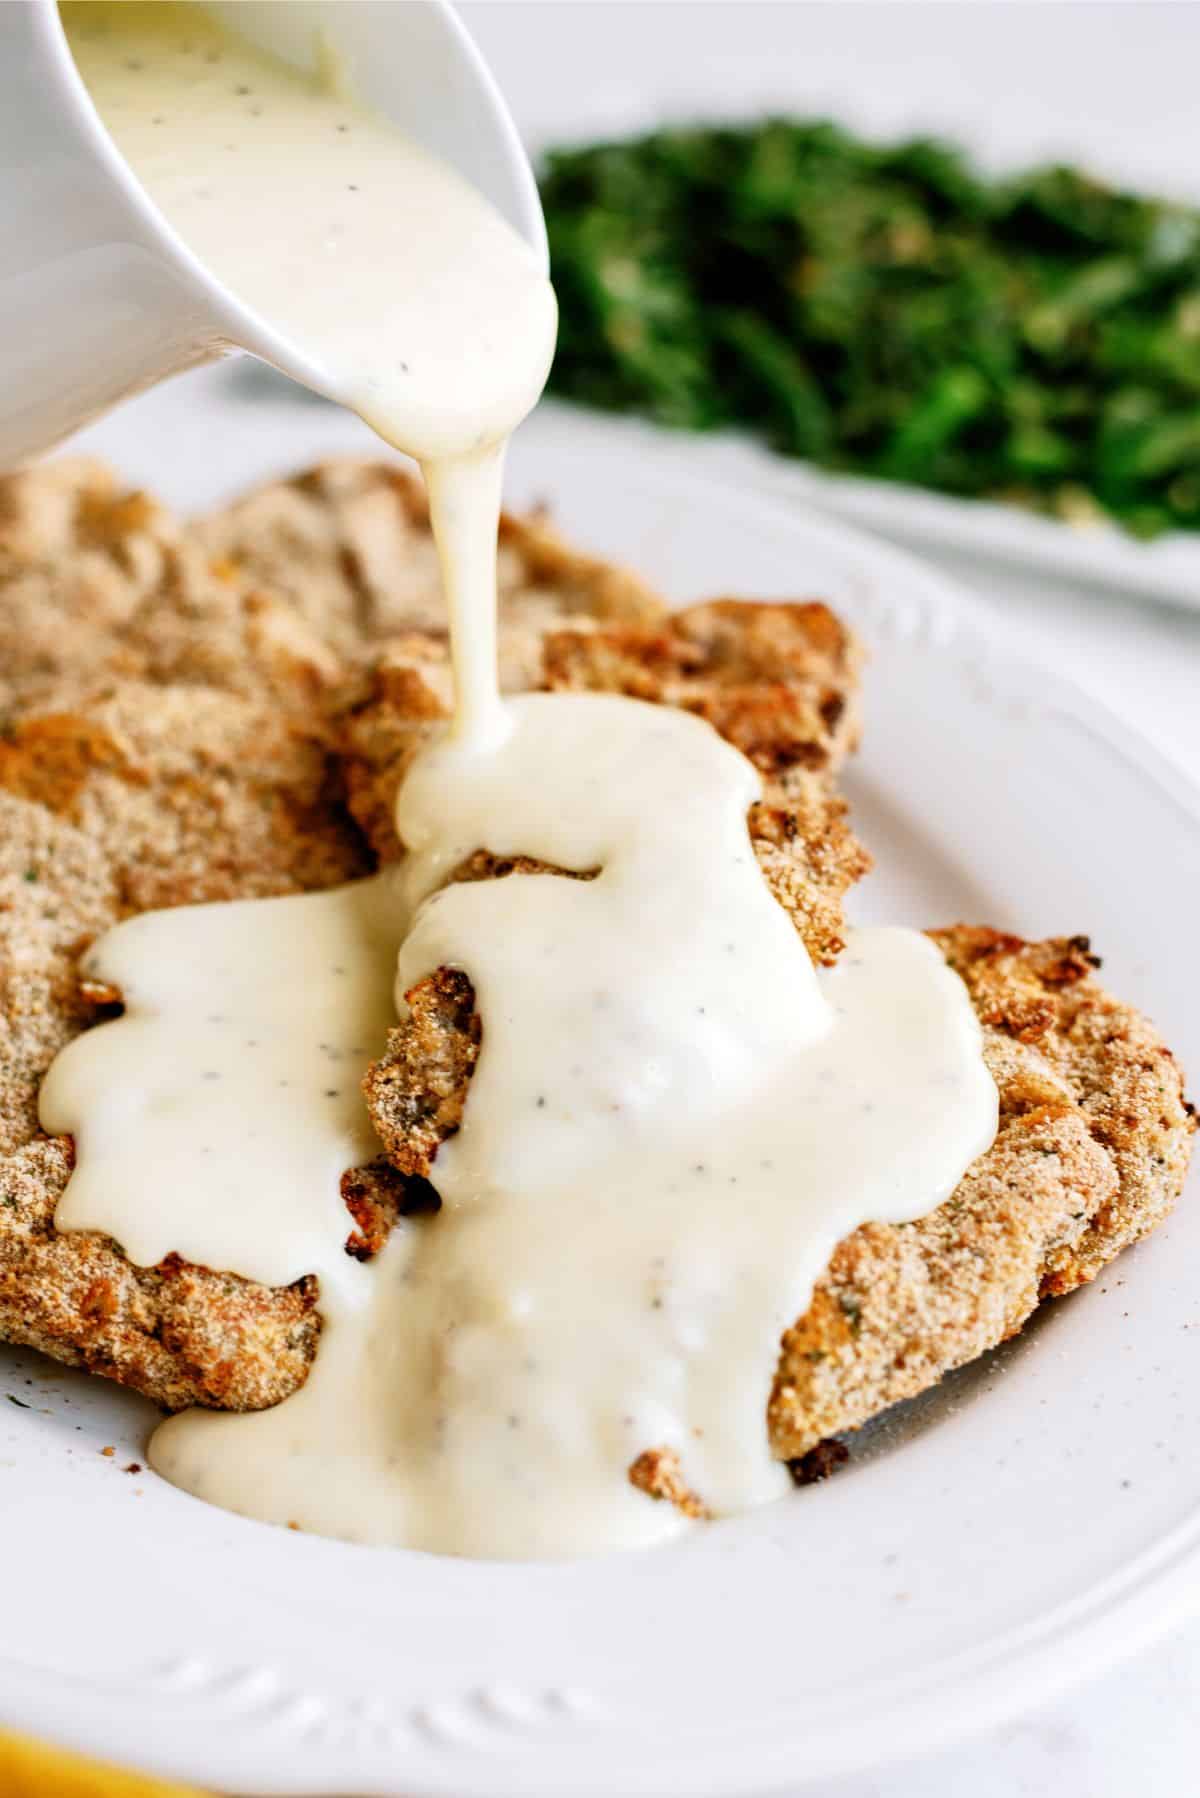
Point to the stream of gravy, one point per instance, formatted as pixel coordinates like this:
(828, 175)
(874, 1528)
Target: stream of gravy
(427, 313)
(673, 1118)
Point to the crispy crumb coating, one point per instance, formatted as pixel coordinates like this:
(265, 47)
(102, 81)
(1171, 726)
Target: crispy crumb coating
(178, 1333)
(658, 1473)
(417, 1089)
(1091, 1153)
(98, 583)
(171, 706)
(779, 681)
(348, 546)
(283, 592)
(226, 710)
(85, 839)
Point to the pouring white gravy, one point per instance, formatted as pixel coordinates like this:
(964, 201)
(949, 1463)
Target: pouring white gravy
(673, 1119)
(428, 313)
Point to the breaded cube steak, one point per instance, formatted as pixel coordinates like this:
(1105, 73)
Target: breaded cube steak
(225, 710)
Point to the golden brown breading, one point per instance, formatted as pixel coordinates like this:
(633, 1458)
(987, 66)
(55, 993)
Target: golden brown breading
(180, 1334)
(181, 710)
(164, 739)
(1091, 1153)
(416, 1091)
(100, 583)
(283, 591)
(780, 681)
(657, 1472)
(348, 546)
(156, 798)
(157, 747)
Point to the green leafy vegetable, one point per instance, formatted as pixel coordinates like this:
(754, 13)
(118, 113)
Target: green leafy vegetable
(888, 311)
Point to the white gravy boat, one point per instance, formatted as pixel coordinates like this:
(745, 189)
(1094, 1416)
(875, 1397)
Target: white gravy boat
(99, 296)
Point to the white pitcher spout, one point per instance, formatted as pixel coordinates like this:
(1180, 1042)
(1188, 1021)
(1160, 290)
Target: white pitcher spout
(100, 297)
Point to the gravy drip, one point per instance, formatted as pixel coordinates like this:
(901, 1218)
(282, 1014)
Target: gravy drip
(673, 1120)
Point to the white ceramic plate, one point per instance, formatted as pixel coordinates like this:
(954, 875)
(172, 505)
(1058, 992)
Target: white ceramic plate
(1029, 1521)
(1098, 556)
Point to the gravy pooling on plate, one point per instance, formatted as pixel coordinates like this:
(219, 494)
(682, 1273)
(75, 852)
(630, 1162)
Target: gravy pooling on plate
(673, 1118)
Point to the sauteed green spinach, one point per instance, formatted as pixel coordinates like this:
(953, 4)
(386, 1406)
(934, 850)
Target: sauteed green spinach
(889, 311)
